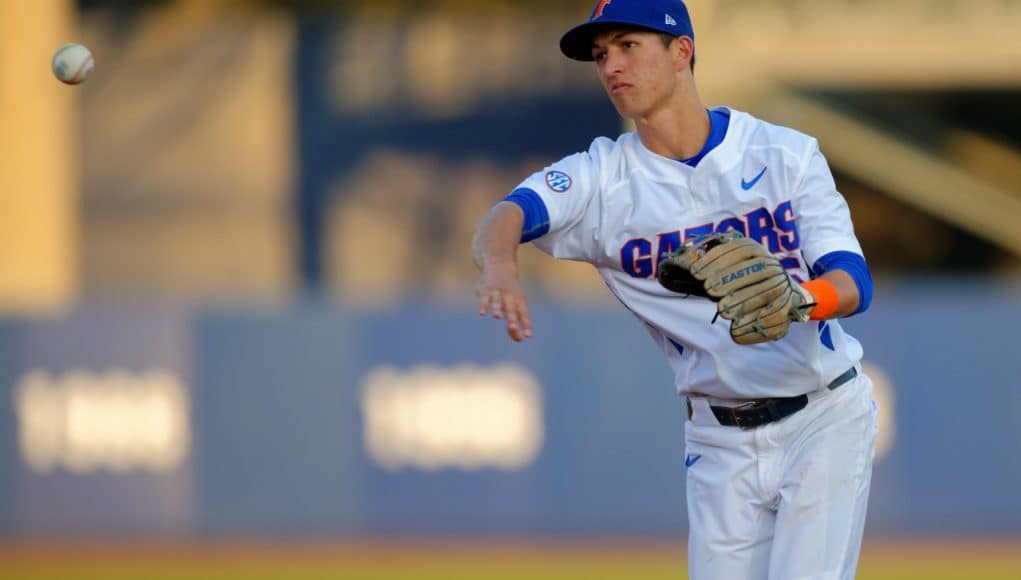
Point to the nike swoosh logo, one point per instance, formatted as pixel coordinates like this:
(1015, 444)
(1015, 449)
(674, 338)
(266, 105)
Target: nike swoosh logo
(691, 459)
(746, 185)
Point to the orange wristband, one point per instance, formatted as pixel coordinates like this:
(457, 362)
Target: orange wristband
(826, 299)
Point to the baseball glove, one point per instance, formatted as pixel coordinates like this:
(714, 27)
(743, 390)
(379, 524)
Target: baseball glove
(675, 271)
(752, 289)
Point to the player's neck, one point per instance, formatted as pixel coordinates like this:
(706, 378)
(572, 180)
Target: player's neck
(678, 131)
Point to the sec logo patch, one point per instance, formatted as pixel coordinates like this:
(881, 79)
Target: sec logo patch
(558, 181)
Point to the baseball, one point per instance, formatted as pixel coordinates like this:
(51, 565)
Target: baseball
(73, 63)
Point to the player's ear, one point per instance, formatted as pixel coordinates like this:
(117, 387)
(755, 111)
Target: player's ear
(683, 49)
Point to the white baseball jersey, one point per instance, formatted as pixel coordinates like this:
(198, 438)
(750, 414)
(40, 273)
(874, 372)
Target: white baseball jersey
(623, 208)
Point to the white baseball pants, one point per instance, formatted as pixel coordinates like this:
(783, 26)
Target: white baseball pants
(784, 501)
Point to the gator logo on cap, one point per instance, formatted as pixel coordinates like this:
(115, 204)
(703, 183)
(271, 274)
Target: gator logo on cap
(599, 8)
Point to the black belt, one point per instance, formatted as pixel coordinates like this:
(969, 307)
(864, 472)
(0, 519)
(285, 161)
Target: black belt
(762, 411)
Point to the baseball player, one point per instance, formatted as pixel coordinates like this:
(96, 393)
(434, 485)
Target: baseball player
(781, 422)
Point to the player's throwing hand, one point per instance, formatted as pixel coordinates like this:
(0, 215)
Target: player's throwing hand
(500, 295)
(494, 250)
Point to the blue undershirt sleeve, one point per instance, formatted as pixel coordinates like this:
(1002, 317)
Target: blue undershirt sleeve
(536, 215)
(854, 265)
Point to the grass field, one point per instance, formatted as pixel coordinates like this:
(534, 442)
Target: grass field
(557, 560)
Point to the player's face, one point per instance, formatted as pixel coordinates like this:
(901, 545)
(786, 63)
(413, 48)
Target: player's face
(636, 69)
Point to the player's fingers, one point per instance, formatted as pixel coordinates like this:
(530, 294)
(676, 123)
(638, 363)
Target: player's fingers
(511, 314)
(496, 302)
(518, 319)
(484, 302)
(513, 331)
(526, 319)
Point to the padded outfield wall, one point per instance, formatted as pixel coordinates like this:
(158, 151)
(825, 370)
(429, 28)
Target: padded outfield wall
(322, 419)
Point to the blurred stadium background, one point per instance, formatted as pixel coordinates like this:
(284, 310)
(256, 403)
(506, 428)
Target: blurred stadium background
(237, 332)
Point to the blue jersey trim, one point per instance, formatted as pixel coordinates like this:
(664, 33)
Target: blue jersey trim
(536, 215)
(856, 267)
(719, 121)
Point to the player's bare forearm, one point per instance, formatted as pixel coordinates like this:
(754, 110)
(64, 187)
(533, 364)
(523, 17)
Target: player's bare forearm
(494, 249)
(497, 234)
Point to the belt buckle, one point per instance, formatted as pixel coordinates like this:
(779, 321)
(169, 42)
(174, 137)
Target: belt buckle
(742, 407)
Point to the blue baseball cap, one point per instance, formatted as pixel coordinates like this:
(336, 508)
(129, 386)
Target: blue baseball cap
(669, 16)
